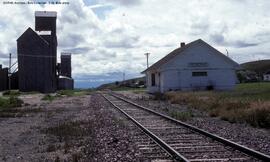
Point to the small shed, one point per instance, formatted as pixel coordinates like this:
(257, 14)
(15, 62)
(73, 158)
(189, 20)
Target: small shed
(193, 66)
(3, 78)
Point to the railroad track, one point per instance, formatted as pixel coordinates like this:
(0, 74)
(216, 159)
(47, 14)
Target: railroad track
(180, 140)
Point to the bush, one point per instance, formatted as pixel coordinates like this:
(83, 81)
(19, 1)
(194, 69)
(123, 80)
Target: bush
(259, 114)
(67, 130)
(11, 93)
(10, 102)
(3, 102)
(48, 97)
(159, 96)
(15, 102)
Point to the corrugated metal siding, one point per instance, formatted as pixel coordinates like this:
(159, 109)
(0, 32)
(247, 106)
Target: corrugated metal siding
(36, 63)
(3, 79)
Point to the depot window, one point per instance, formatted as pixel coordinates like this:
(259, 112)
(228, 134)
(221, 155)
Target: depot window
(199, 73)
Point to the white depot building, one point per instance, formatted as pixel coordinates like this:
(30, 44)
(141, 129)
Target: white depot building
(194, 66)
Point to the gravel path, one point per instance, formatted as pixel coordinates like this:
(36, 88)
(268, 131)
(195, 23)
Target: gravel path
(87, 128)
(255, 138)
(84, 128)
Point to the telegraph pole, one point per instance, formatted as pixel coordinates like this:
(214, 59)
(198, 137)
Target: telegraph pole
(9, 72)
(147, 64)
(124, 76)
(147, 56)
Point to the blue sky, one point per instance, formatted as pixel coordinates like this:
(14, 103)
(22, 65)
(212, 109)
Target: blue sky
(109, 37)
(100, 9)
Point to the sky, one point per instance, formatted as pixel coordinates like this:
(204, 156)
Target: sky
(110, 37)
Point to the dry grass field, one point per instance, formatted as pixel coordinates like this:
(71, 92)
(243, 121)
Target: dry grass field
(249, 102)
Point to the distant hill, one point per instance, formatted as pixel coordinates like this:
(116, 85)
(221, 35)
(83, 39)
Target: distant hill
(133, 83)
(259, 67)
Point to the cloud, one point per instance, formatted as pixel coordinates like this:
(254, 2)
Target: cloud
(78, 50)
(70, 39)
(3, 56)
(124, 2)
(108, 36)
(102, 54)
(124, 42)
(199, 27)
(242, 44)
(220, 40)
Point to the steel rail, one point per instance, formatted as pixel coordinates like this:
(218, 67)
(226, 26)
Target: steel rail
(159, 141)
(227, 142)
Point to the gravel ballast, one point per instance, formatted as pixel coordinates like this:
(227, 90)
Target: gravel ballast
(244, 134)
(85, 128)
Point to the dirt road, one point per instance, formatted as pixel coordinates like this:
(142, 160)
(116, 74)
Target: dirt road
(87, 128)
(67, 129)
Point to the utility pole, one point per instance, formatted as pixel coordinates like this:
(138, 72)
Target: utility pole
(147, 56)
(147, 64)
(124, 75)
(9, 72)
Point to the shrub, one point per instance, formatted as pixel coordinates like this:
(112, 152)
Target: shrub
(10, 102)
(15, 102)
(3, 102)
(258, 114)
(67, 129)
(11, 93)
(158, 96)
(48, 97)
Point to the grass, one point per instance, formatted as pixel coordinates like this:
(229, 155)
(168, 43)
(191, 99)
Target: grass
(183, 116)
(75, 92)
(249, 102)
(67, 130)
(250, 91)
(68, 93)
(10, 102)
(122, 88)
(69, 133)
(11, 93)
(9, 107)
(134, 90)
(49, 97)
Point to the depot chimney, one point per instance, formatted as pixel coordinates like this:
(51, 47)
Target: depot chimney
(183, 44)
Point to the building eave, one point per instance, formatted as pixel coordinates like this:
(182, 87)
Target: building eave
(171, 55)
(180, 50)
